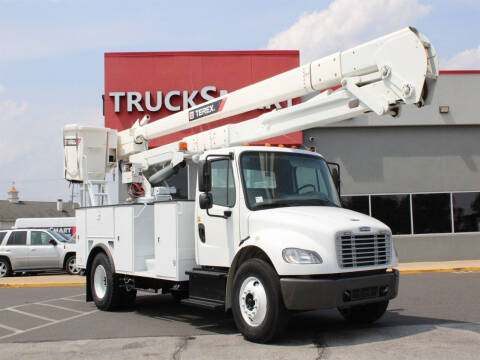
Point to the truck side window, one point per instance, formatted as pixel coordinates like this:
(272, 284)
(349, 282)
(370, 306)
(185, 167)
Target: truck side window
(17, 238)
(223, 186)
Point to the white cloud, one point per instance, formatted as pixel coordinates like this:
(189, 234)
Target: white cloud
(345, 24)
(466, 60)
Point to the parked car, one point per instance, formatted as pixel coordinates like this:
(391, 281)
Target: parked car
(62, 225)
(32, 250)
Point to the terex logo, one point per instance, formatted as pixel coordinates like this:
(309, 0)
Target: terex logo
(145, 101)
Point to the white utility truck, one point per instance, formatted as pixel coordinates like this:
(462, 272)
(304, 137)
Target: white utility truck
(256, 229)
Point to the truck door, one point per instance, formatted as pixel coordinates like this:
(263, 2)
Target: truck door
(215, 232)
(42, 252)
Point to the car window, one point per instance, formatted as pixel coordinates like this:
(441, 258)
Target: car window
(39, 238)
(2, 235)
(17, 238)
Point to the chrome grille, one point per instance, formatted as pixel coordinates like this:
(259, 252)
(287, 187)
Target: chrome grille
(355, 250)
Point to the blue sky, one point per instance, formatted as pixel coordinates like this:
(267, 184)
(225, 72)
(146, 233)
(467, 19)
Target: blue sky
(51, 56)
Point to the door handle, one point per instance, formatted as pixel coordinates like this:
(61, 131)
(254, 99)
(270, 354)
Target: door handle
(33, 249)
(201, 232)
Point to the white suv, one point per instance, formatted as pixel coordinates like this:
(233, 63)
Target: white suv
(28, 250)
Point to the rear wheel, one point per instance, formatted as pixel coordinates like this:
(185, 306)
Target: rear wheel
(71, 265)
(106, 292)
(367, 313)
(257, 305)
(5, 269)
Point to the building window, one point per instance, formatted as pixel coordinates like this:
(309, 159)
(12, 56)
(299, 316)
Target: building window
(431, 213)
(356, 203)
(393, 210)
(466, 211)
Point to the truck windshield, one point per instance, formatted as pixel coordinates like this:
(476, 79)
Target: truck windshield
(278, 179)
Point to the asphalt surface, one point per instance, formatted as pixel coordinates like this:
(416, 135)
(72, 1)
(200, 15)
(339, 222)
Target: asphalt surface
(436, 316)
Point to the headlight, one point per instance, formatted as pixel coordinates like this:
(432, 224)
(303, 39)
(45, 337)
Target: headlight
(300, 256)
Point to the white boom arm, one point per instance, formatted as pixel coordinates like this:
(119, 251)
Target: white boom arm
(399, 68)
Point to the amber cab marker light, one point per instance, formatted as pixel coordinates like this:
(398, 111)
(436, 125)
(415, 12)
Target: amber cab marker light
(182, 145)
(281, 145)
(267, 144)
(245, 144)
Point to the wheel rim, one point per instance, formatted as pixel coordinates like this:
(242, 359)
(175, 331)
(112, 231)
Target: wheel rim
(72, 267)
(253, 301)
(3, 269)
(100, 281)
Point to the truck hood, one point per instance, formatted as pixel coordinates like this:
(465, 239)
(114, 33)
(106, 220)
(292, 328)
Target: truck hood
(314, 220)
(312, 228)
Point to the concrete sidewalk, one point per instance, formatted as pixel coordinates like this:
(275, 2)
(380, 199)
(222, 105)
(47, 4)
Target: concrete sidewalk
(75, 280)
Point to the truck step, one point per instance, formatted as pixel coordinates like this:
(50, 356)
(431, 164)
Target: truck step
(206, 273)
(204, 303)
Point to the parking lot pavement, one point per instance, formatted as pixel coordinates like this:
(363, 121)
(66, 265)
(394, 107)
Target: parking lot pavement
(436, 316)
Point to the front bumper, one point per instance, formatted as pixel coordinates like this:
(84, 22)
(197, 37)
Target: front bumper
(327, 293)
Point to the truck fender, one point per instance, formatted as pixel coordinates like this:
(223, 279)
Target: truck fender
(98, 248)
(243, 254)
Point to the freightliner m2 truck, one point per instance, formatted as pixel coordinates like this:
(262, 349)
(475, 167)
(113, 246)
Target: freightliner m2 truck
(261, 230)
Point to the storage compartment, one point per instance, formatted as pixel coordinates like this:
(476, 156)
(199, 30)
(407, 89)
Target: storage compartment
(126, 230)
(174, 239)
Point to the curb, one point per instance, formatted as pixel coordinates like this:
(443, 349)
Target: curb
(440, 270)
(32, 285)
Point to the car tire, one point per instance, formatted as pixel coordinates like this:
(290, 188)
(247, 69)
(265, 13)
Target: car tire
(364, 314)
(106, 291)
(104, 285)
(70, 266)
(5, 269)
(257, 304)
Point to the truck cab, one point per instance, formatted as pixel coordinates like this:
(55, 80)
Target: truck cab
(281, 206)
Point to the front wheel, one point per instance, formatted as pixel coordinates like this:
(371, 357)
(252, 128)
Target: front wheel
(5, 269)
(367, 313)
(71, 265)
(257, 304)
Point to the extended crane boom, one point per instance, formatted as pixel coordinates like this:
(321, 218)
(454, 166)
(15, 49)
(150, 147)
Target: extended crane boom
(396, 68)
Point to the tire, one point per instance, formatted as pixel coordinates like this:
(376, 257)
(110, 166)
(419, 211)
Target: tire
(257, 304)
(106, 292)
(364, 314)
(5, 269)
(70, 266)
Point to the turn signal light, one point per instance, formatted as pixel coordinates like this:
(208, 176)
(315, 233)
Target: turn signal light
(182, 146)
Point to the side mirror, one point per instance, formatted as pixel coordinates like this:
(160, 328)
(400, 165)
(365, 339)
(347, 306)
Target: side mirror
(335, 172)
(53, 242)
(204, 177)
(205, 200)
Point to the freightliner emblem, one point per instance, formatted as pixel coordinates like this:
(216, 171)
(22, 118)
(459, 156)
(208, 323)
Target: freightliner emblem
(206, 110)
